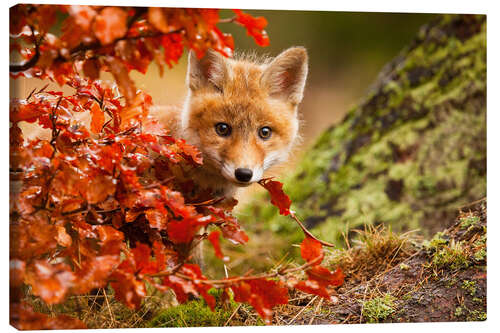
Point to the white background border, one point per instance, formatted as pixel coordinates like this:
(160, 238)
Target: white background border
(414, 6)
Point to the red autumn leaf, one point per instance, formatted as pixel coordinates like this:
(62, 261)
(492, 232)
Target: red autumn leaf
(97, 118)
(231, 230)
(319, 279)
(213, 237)
(159, 251)
(94, 273)
(194, 271)
(325, 277)
(91, 68)
(23, 317)
(172, 48)
(127, 88)
(128, 289)
(158, 18)
(190, 151)
(184, 231)
(50, 281)
(278, 197)
(110, 24)
(254, 25)
(194, 286)
(127, 282)
(63, 238)
(312, 287)
(261, 294)
(234, 233)
(156, 219)
(311, 250)
(83, 15)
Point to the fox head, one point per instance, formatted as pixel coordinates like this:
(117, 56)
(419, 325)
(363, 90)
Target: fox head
(242, 114)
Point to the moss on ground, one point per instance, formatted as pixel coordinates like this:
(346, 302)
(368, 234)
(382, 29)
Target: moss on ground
(378, 309)
(453, 255)
(470, 287)
(192, 314)
(195, 313)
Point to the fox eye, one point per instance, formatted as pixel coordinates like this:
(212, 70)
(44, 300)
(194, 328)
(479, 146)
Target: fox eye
(222, 129)
(265, 132)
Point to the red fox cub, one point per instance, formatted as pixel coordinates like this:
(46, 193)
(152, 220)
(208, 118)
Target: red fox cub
(241, 114)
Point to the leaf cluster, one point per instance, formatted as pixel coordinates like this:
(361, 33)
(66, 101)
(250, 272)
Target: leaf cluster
(114, 202)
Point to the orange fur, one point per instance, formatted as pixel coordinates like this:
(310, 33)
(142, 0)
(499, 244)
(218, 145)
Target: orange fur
(246, 95)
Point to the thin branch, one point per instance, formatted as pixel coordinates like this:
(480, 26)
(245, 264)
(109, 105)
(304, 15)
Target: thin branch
(15, 68)
(232, 315)
(246, 278)
(96, 45)
(308, 233)
(228, 20)
(207, 202)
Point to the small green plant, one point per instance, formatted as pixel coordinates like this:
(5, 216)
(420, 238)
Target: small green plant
(378, 308)
(195, 313)
(453, 255)
(470, 287)
(480, 254)
(468, 220)
(436, 242)
(476, 315)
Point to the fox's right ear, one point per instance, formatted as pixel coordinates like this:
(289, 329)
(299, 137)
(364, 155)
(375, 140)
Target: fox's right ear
(286, 75)
(211, 70)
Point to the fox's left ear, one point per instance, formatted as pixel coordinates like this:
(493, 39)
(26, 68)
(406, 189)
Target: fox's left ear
(210, 71)
(285, 77)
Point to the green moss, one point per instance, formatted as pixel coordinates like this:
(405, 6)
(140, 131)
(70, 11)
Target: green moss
(468, 221)
(459, 311)
(193, 314)
(404, 267)
(477, 300)
(436, 242)
(479, 247)
(469, 286)
(378, 309)
(476, 315)
(452, 255)
(480, 254)
(451, 282)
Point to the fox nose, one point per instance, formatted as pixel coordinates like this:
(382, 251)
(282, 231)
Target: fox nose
(243, 174)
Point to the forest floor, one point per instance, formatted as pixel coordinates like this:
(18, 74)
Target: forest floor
(390, 277)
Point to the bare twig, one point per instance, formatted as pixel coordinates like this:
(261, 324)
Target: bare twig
(302, 310)
(228, 20)
(15, 68)
(308, 233)
(316, 310)
(247, 277)
(109, 307)
(232, 315)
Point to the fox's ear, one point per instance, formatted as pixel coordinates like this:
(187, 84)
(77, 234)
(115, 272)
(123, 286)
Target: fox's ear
(211, 70)
(285, 77)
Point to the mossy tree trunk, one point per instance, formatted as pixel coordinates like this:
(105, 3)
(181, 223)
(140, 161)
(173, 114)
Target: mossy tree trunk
(411, 153)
